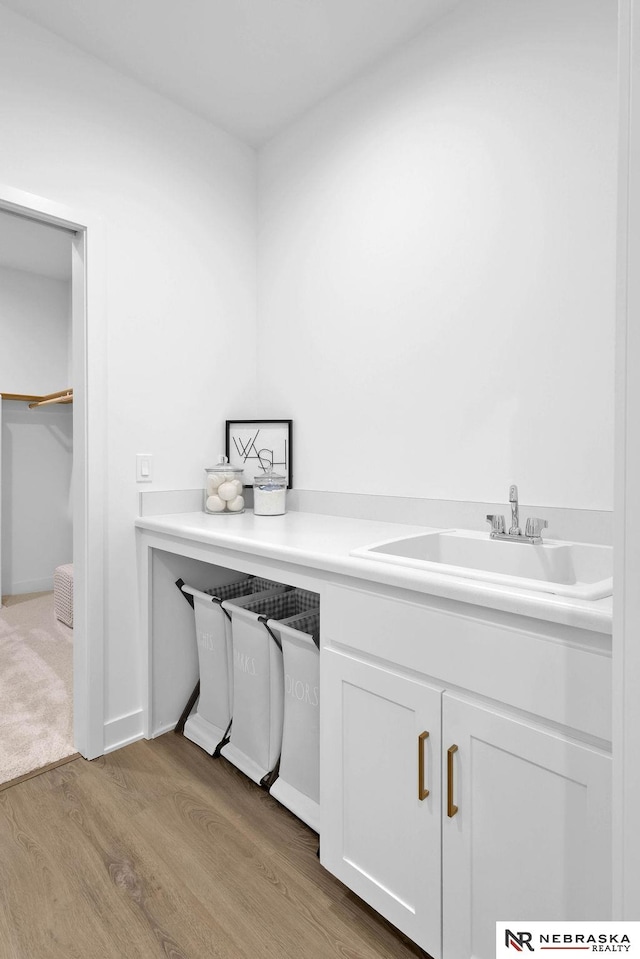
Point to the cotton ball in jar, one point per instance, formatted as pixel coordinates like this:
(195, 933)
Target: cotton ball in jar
(228, 476)
(215, 505)
(227, 491)
(235, 505)
(213, 482)
(238, 486)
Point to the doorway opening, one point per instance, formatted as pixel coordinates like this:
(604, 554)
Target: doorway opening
(84, 440)
(36, 509)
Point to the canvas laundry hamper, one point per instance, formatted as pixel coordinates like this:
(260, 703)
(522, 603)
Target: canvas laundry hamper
(63, 593)
(258, 680)
(209, 723)
(298, 784)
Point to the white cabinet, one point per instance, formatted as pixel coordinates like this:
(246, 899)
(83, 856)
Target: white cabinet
(380, 830)
(531, 835)
(526, 703)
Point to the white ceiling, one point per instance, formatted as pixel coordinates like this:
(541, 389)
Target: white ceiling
(250, 66)
(35, 247)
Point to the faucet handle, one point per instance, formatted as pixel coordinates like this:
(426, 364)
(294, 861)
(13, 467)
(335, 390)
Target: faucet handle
(498, 524)
(534, 527)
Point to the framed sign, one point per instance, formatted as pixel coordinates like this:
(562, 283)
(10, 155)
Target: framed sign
(258, 445)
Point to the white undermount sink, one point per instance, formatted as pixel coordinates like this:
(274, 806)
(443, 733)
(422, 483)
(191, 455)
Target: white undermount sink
(582, 570)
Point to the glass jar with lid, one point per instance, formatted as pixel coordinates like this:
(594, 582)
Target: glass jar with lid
(223, 491)
(269, 494)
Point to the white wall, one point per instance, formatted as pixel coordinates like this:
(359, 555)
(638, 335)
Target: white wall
(37, 448)
(436, 264)
(178, 202)
(436, 268)
(37, 528)
(35, 322)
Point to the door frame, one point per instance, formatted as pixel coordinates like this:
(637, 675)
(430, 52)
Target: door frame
(88, 325)
(626, 597)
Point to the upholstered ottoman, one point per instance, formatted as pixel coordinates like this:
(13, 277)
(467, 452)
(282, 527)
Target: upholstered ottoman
(63, 594)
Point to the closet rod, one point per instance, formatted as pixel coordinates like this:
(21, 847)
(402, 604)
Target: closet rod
(64, 396)
(32, 398)
(20, 397)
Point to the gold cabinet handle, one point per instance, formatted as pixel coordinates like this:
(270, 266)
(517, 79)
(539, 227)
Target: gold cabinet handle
(451, 806)
(423, 792)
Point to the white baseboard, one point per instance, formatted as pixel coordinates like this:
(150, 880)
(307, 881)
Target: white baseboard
(166, 728)
(122, 731)
(29, 586)
(129, 729)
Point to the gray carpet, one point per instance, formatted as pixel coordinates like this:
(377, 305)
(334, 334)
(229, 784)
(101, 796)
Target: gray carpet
(36, 686)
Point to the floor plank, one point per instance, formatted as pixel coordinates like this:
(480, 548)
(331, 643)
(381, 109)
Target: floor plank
(158, 851)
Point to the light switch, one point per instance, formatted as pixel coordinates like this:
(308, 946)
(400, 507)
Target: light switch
(144, 467)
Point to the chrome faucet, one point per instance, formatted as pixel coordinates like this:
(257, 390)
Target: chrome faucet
(532, 530)
(515, 513)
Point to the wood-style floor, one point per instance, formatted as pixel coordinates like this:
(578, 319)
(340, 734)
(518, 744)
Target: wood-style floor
(157, 850)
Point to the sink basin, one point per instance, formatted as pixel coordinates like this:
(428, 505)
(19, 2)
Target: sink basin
(581, 570)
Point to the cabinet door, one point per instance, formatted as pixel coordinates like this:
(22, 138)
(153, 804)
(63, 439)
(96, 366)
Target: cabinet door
(380, 833)
(531, 835)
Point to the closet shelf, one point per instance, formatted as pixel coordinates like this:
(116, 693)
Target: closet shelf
(62, 396)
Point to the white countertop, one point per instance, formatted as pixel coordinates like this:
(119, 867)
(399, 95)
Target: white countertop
(322, 542)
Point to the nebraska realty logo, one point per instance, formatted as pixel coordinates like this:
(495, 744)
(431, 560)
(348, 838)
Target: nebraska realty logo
(527, 937)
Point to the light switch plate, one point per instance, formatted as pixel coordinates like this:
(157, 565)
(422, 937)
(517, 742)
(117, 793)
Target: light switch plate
(144, 467)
